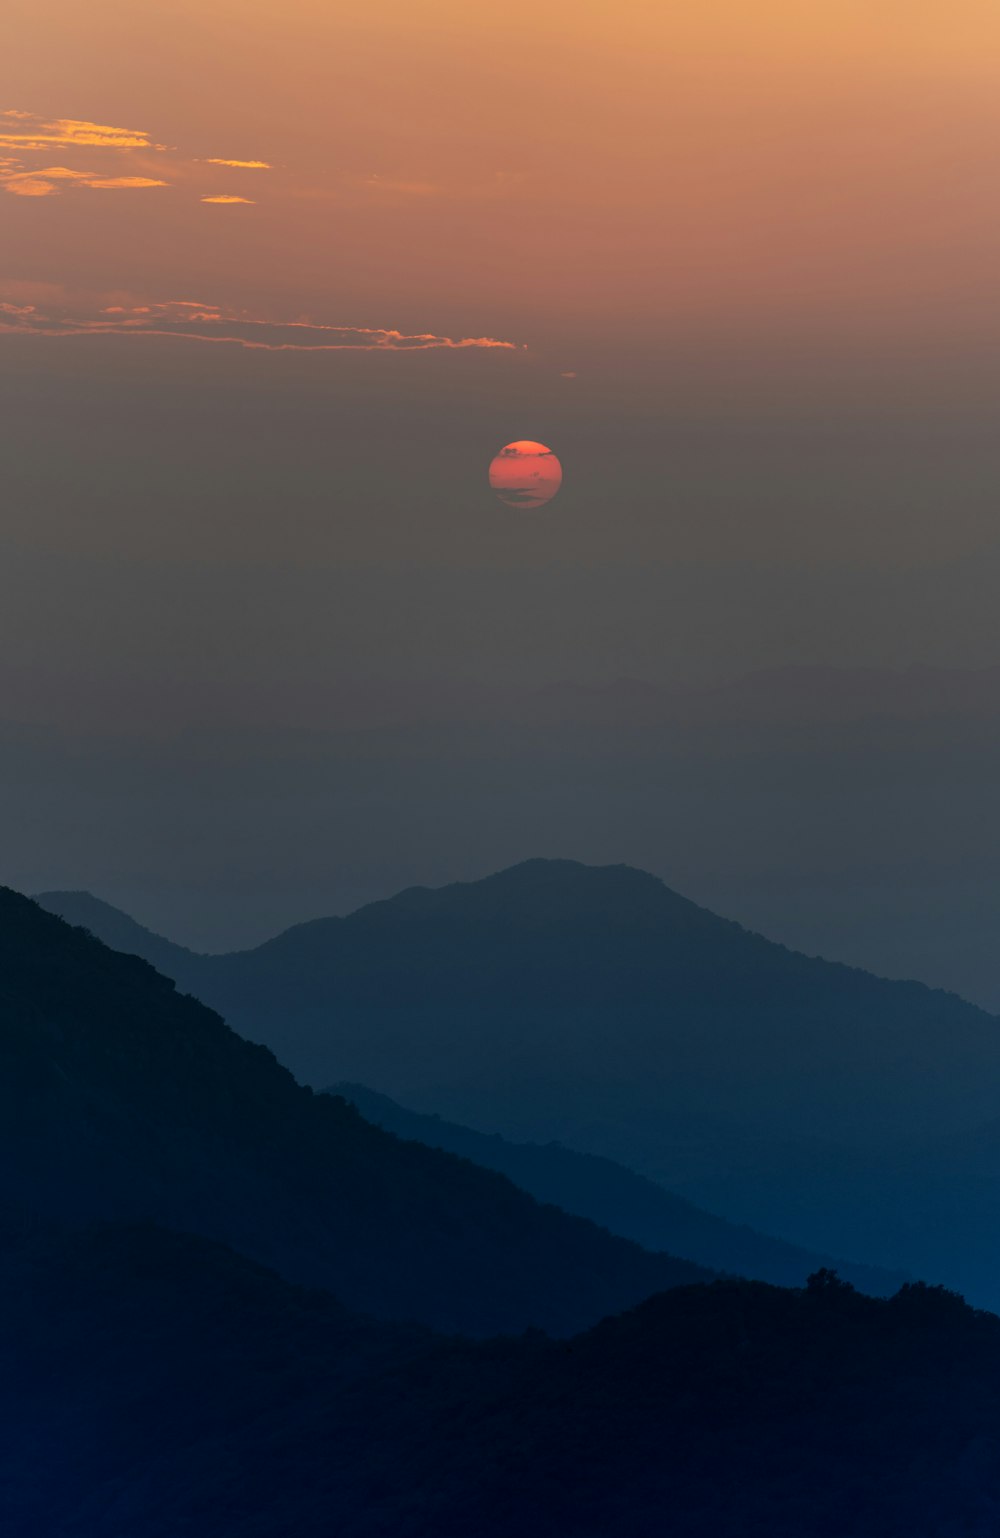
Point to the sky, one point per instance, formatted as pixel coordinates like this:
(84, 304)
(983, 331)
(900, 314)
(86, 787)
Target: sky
(277, 283)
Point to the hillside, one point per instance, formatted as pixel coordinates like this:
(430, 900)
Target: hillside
(154, 1384)
(121, 1099)
(571, 987)
(597, 1007)
(118, 931)
(616, 1198)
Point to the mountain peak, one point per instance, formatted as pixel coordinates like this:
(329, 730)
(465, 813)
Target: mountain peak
(115, 928)
(549, 891)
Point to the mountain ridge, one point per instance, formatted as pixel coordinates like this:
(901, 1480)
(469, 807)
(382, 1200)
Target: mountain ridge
(177, 1388)
(618, 1199)
(596, 1007)
(587, 936)
(120, 1098)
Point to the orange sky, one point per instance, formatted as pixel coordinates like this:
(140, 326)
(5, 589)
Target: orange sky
(277, 280)
(553, 174)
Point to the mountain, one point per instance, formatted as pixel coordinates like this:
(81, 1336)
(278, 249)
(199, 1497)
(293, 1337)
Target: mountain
(156, 1384)
(847, 812)
(118, 931)
(617, 1199)
(120, 1099)
(595, 1006)
(605, 981)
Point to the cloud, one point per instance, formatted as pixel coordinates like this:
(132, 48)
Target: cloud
(59, 174)
(125, 181)
(38, 184)
(226, 197)
(69, 131)
(33, 136)
(185, 319)
(30, 187)
(45, 181)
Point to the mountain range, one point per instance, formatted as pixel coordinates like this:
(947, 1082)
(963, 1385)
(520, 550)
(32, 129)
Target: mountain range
(156, 1378)
(788, 799)
(618, 1199)
(598, 976)
(120, 1099)
(594, 1006)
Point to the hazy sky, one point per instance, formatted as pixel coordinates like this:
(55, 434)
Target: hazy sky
(277, 281)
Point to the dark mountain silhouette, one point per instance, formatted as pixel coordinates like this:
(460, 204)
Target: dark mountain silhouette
(154, 1384)
(616, 1198)
(597, 1007)
(121, 1099)
(117, 930)
(604, 979)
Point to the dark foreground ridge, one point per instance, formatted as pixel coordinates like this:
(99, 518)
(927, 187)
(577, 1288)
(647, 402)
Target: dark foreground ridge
(121, 1099)
(153, 1384)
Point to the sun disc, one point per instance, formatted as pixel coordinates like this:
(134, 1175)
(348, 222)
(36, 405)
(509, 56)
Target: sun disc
(525, 474)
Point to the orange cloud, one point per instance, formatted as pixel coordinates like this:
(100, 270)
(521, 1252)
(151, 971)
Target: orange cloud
(207, 323)
(43, 182)
(124, 181)
(71, 131)
(39, 184)
(34, 136)
(30, 187)
(59, 174)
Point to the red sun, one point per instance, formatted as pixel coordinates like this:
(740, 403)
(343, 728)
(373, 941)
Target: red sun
(525, 474)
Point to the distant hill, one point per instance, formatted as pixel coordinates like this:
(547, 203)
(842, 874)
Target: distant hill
(583, 986)
(154, 1384)
(595, 1006)
(120, 1099)
(617, 1199)
(117, 930)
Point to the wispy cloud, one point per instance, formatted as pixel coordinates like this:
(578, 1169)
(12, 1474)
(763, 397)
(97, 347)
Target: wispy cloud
(134, 154)
(38, 184)
(189, 320)
(125, 181)
(33, 133)
(55, 174)
(45, 182)
(30, 187)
